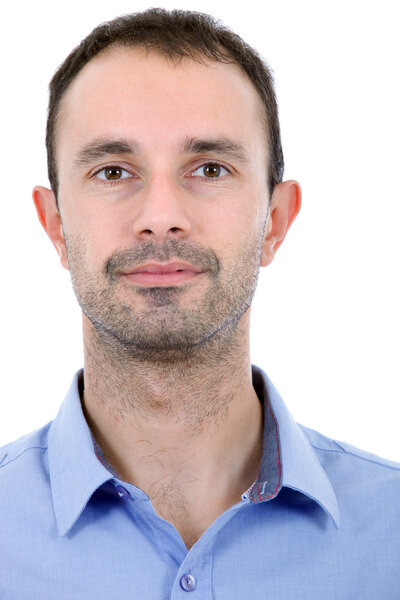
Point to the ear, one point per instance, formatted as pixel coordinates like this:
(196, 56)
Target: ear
(284, 207)
(49, 216)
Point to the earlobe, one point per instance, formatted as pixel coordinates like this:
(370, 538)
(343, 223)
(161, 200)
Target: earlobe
(284, 207)
(49, 216)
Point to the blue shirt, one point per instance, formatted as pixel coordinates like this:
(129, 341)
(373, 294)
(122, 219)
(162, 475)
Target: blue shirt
(322, 522)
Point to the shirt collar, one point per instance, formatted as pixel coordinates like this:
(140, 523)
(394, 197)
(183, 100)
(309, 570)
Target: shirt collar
(75, 471)
(288, 458)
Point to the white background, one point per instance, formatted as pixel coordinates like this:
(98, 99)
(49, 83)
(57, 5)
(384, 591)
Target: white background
(325, 322)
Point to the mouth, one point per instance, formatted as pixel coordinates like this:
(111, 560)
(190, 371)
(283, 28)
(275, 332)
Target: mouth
(162, 275)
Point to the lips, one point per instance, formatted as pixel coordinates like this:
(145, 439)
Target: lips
(160, 268)
(159, 274)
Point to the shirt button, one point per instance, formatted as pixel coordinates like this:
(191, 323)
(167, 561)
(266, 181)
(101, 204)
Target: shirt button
(188, 582)
(122, 493)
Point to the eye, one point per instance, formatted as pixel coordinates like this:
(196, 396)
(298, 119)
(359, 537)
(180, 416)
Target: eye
(112, 173)
(210, 171)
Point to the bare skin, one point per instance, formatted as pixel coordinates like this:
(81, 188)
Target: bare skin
(167, 377)
(192, 441)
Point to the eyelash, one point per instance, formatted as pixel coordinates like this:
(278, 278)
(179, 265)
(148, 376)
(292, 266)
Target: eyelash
(110, 183)
(211, 164)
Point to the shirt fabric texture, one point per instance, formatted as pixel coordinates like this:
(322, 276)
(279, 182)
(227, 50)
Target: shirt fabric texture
(321, 522)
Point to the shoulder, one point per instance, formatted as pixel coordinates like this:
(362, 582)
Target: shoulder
(326, 444)
(349, 467)
(19, 455)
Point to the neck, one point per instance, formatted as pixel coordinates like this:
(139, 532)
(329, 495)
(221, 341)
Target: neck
(193, 418)
(190, 389)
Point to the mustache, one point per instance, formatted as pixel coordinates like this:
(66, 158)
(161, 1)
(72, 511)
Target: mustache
(204, 259)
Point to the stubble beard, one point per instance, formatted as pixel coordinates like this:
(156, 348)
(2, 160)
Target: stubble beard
(164, 331)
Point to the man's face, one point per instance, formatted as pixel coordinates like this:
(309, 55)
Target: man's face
(158, 164)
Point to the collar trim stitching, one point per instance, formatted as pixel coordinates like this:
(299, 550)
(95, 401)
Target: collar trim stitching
(259, 496)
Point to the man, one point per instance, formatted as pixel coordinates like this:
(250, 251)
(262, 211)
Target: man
(173, 465)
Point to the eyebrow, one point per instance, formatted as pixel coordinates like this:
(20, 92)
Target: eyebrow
(103, 148)
(222, 145)
(99, 149)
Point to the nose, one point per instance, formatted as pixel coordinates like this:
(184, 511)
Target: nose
(164, 211)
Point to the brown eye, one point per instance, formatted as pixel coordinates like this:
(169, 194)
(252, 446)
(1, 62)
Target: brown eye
(112, 173)
(212, 170)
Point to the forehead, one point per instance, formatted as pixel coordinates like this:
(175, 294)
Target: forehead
(126, 92)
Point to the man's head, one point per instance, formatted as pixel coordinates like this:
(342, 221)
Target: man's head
(161, 166)
(174, 35)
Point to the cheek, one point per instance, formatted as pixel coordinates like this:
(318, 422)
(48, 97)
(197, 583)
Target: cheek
(96, 231)
(244, 225)
(240, 247)
(88, 249)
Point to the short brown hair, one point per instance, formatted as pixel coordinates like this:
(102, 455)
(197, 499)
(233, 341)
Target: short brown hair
(174, 34)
